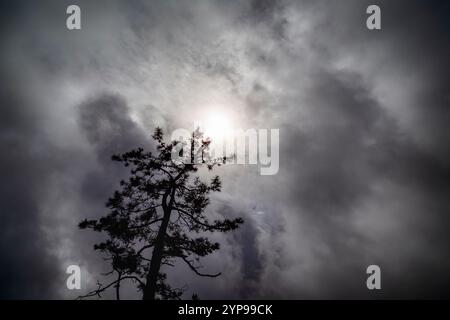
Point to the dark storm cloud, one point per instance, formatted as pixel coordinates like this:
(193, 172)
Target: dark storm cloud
(353, 143)
(106, 123)
(26, 268)
(364, 146)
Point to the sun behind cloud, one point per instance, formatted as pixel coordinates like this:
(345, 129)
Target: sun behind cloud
(217, 126)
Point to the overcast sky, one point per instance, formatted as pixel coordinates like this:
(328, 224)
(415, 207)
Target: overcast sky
(364, 139)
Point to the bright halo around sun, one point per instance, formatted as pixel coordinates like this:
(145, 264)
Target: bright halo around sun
(217, 126)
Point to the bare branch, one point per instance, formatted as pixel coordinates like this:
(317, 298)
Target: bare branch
(193, 268)
(101, 288)
(144, 247)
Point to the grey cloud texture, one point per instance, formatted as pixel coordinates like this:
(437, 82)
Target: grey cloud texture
(364, 145)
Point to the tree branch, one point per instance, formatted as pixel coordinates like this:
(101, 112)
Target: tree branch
(196, 271)
(144, 247)
(146, 224)
(101, 289)
(206, 225)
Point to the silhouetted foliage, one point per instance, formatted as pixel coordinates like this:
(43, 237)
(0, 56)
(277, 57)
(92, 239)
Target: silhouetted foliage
(153, 218)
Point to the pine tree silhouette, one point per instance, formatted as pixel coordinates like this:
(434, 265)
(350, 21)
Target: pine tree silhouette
(155, 216)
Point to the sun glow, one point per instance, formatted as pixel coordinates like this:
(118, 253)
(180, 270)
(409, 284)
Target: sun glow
(217, 126)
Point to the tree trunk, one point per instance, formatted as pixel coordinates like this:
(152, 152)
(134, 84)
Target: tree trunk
(119, 276)
(155, 264)
(158, 250)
